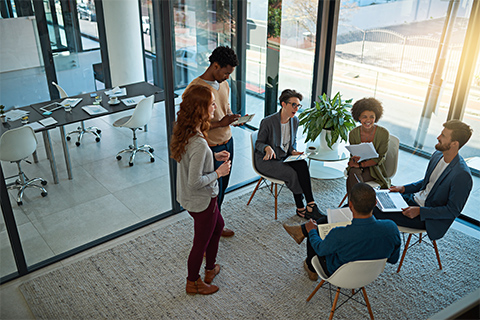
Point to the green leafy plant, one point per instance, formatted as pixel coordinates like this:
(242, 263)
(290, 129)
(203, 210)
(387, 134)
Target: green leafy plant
(329, 114)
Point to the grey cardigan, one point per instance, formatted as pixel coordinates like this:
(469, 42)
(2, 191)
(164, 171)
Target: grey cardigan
(196, 179)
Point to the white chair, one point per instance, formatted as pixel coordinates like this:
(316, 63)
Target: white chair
(352, 275)
(391, 163)
(263, 178)
(140, 117)
(16, 145)
(80, 130)
(410, 232)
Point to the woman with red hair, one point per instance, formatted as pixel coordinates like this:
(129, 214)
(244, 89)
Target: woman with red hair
(197, 186)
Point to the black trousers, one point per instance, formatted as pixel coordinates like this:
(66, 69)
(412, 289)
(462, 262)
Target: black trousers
(301, 168)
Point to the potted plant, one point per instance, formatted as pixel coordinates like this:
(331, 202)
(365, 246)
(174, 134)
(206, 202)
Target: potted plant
(2, 114)
(328, 114)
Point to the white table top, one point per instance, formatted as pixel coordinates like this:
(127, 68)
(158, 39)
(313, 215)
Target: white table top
(341, 153)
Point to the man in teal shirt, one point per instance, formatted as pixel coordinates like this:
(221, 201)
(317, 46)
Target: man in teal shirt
(366, 238)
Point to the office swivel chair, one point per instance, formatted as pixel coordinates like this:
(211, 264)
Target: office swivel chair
(16, 145)
(140, 117)
(81, 130)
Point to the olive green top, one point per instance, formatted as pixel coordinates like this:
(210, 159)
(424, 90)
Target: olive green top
(380, 142)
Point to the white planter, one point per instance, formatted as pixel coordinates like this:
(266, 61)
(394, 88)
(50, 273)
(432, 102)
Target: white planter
(320, 144)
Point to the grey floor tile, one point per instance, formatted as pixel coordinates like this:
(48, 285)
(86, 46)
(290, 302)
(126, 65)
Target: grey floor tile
(84, 222)
(147, 199)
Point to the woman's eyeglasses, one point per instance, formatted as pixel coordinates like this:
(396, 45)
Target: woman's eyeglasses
(295, 105)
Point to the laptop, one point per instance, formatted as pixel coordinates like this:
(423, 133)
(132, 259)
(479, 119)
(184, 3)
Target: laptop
(390, 201)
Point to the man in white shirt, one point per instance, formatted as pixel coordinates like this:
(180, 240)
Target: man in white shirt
(436, 200)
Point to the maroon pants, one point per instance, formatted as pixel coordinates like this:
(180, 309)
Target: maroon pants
(208, 226)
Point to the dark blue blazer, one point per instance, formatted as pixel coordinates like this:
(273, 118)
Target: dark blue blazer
(448, 196)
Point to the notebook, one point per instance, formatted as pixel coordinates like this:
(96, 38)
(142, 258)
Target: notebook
(390, 201)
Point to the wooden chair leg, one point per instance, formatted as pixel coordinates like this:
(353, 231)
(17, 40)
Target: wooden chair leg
(353, 292)
(315, 291)
(334, 304)
(436, 252)
(341, 202)
(253, 193)
(368, 303)
(276, 195)
(404, 252)
(420, 238)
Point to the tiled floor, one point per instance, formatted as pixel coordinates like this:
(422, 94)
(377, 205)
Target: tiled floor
(106, 195)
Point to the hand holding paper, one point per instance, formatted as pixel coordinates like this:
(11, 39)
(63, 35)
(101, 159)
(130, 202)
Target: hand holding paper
(363, 150)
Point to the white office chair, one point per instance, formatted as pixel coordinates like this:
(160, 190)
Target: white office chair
(16, 145)
(391, 163)
(81, 130)
(352, 275)
(410, 232)
(140, 117)
(263, 178)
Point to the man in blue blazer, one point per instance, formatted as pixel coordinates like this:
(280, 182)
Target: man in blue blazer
(436, 200)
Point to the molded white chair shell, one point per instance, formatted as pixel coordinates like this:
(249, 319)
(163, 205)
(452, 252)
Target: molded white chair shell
(352, 275)
(62, 92)
(410, 232)
(274, 182)
(140, 117)
(16, 145)
(82, 129)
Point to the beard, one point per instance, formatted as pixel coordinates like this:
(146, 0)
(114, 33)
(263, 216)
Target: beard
(442, 147)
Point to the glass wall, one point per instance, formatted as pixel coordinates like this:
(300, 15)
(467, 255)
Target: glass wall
(395, 59)
(407, 57)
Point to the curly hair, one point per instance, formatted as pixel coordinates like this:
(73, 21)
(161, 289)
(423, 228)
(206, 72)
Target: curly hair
(193, 111)
(224, 56)
(367, 104)
(289, 93)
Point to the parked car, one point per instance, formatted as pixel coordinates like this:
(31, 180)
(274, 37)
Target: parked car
(86, 12)
(189, 57)
(146, 24)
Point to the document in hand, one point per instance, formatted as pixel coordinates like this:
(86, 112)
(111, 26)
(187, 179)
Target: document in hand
(364, 150)
(337, 218)
(296, 157)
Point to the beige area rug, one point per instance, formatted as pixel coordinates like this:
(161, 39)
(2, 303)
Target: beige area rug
(262, 275)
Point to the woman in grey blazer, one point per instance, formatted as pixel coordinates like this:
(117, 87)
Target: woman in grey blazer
(197, 186)
(277, 140)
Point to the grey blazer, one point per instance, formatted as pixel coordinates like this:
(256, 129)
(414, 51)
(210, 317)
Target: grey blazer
(270, 134)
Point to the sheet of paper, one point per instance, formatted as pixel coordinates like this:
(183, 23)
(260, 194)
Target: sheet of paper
(71, 101)
(48, 121)
(364, 150)
(15, 114)
(132, 100)
(94, 109)
(339, 215)
(296, 157)
(35, 126)
(324, 229)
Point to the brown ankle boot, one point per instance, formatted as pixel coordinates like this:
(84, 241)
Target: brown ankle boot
(295, 232)
(194, 287)
(210, 274)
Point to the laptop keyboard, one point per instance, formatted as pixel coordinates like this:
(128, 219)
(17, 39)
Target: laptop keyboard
(385, 200)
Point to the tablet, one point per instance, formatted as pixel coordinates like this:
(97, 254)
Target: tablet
(51, 107)
(244, 119)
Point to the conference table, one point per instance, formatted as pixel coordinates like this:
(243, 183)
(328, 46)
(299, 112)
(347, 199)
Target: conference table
(77, 114)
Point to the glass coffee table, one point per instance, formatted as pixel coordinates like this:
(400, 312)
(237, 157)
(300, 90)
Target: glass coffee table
(328, 164)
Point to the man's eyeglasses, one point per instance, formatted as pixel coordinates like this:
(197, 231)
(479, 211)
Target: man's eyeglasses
(295, 105)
